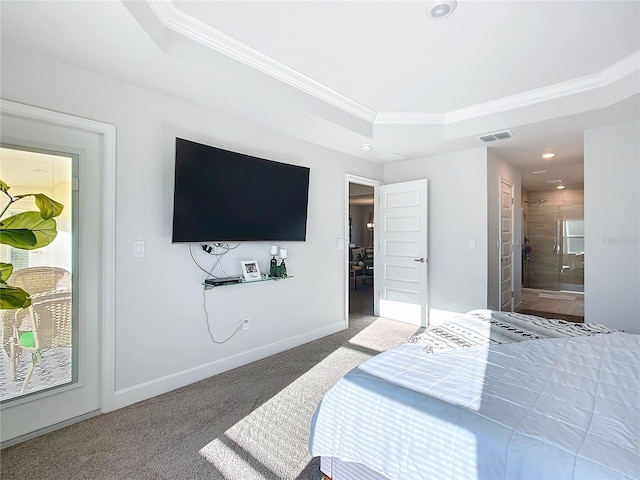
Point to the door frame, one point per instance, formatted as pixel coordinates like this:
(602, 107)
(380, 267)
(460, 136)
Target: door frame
(107, 132)
(503, 180)
(350, 178)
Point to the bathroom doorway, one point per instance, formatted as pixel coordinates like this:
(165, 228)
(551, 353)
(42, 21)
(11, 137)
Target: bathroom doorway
(553, 252)
(554, 241)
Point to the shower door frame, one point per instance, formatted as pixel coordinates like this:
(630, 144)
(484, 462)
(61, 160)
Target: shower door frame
(536, 277)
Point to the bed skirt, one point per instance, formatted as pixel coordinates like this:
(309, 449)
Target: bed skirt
(335, 469)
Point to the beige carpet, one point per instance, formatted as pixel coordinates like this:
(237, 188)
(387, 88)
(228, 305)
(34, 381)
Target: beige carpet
(249, 423)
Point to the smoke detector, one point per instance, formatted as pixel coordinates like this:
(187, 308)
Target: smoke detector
(492, 137)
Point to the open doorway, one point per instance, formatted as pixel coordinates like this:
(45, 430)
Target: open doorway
(395, 262)
(553, 253)
(360, 255)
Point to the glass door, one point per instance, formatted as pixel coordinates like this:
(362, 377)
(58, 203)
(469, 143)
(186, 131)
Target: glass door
(544, 258)
(554, 259)
(50, 361)
(36, 251)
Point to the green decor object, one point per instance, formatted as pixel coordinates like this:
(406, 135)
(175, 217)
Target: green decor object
(27, 340)
(282, 268)
(279, 271)
(26, 231)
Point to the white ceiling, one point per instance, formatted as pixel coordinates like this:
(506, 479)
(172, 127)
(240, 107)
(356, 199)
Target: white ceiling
(342, 74)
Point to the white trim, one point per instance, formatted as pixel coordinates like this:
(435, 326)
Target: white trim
(410, 118)
(349, 178)
(189, 27)
(108, 133)
(511, 186)
(143, 391)
(198, 31)
(109, 269)
(606, 77)
(360, 181)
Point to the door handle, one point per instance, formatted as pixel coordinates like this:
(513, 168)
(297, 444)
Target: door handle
(421, 260)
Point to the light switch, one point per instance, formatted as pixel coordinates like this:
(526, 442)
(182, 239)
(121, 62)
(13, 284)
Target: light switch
(138, 248)
(340, 244)
(472, 244)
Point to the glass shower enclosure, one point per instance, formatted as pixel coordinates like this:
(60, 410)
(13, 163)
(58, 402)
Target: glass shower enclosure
(553, 252)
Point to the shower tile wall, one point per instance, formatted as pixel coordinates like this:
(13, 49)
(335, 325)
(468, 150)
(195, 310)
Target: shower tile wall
(543, 267)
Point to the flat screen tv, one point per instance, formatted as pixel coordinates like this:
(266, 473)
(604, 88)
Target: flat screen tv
(221, 195)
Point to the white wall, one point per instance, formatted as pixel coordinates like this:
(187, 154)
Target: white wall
(498, 167)
(457, 214)
(612, 226)
(161, 335)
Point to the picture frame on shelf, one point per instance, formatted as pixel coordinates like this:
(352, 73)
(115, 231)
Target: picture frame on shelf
(250, 270)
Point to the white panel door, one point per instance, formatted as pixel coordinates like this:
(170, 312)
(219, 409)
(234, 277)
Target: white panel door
(506, 246)
(403, 259)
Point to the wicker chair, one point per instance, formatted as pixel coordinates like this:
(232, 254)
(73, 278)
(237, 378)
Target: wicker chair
(41, 280)
(46, 324)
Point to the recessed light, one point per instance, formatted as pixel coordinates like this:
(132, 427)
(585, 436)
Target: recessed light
(554, 181)
(560, 187)
(366, 147)
(548, 155)
(442, 8)
(538, 172)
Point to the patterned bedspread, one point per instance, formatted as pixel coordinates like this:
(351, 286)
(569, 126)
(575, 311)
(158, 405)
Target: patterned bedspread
(486, 327)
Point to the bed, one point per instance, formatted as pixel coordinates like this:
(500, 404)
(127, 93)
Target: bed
(488, 395)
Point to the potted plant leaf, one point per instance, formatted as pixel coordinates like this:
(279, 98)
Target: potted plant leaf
(26, 231)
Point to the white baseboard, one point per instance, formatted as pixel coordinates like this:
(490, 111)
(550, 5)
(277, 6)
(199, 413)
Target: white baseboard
(130, 395)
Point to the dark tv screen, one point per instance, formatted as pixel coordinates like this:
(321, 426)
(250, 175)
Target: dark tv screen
(221, 195)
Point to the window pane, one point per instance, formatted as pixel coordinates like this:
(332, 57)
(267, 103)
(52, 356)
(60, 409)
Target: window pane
(575, 245)
(37, 341)
(574, 228)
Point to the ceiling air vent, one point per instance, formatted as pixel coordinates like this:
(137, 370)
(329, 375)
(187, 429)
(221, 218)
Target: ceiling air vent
(491, 137)
(391, 157)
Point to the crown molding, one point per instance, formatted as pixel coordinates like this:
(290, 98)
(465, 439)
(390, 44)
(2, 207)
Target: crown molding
(606, 77)
(204, 34)
(410, 118)
(616, 72)
(189, 27)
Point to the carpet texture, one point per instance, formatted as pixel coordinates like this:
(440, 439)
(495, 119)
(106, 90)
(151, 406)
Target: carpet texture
(248, 423)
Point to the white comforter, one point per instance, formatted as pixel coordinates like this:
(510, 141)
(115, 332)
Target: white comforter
(553, 408)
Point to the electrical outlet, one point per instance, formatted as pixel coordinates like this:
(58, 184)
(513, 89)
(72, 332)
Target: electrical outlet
(245, 324)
